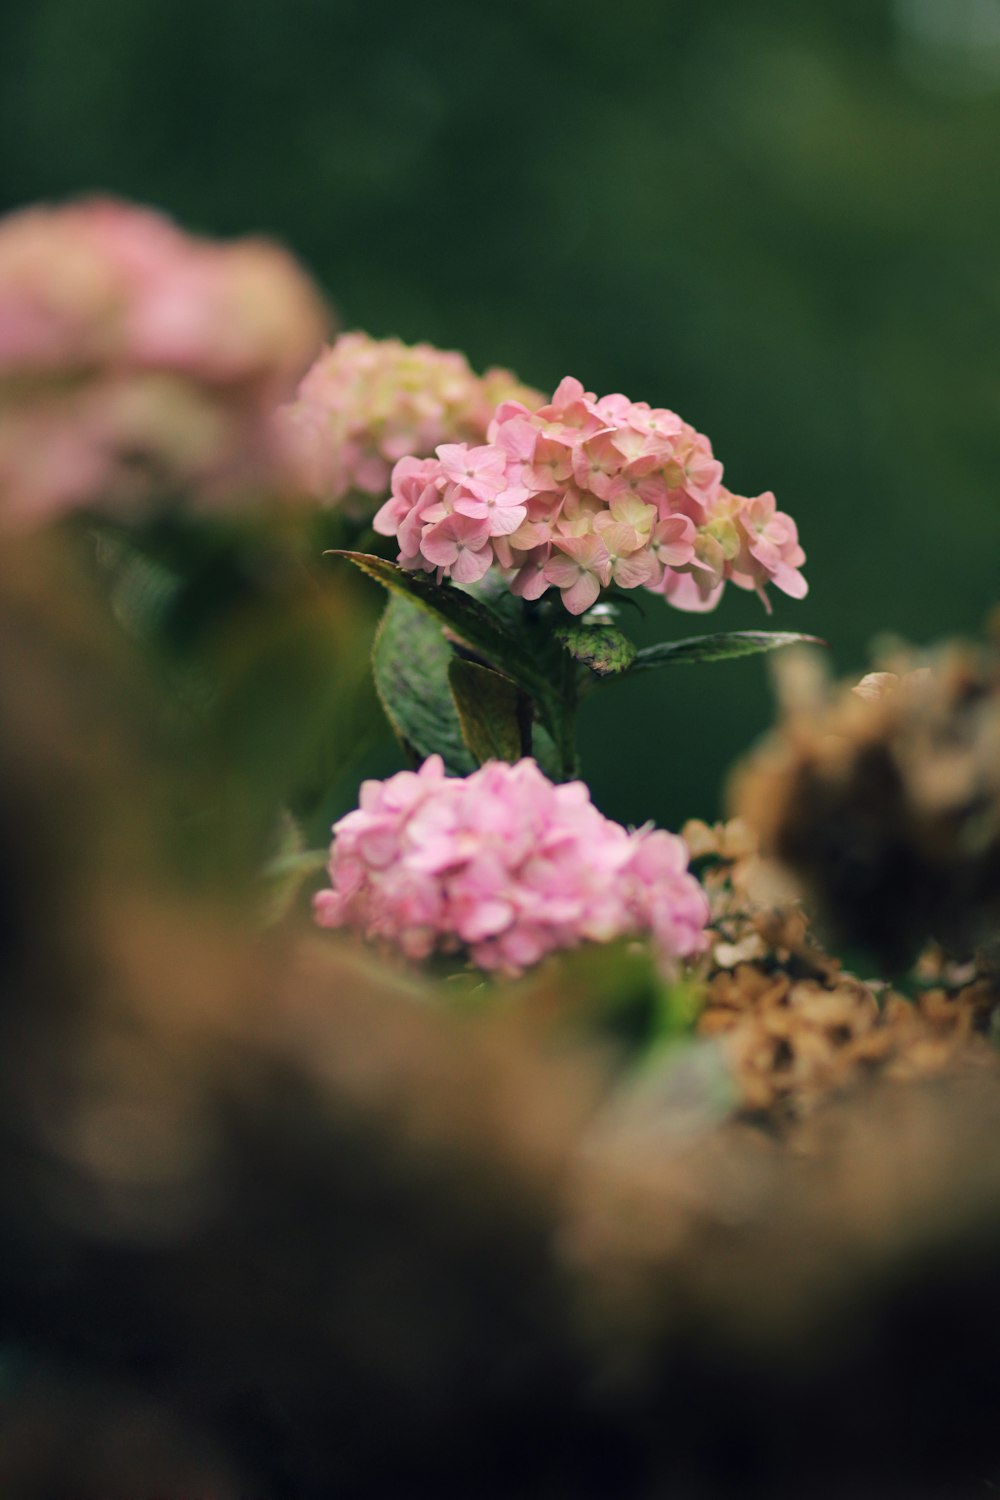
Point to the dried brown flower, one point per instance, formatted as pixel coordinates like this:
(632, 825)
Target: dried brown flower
(885, 802)
(794, 1026)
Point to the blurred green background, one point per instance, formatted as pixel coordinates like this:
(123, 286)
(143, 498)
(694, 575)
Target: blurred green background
(780, 218)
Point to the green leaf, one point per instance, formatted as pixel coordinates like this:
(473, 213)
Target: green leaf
(605, 649)
(494, 713)
(410, 661)
(472, 622)
(544, 750)
(723, 647)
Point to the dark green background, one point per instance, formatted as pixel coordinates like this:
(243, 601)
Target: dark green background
(780, 218)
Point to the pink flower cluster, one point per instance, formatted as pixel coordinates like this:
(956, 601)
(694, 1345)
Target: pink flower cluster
(504, 867)
(368, 402)
(580, 494)
(136, 360)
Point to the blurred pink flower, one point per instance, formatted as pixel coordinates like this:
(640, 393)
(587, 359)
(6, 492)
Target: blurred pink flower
(137, 362)
(366, 403)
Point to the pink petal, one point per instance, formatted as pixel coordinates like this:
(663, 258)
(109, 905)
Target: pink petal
(530, 582)
(506, 519)
(683, 593)
(562, 571)
(790, 581)
(470, 566)
(439, 546)
(582, 594)
(632, 572)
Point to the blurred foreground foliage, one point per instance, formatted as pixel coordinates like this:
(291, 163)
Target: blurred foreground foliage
(276, 1223)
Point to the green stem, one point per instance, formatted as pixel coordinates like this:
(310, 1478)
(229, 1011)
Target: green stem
(564, 726)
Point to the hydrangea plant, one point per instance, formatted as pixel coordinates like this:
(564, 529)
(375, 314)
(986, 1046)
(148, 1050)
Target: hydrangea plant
(510, 555)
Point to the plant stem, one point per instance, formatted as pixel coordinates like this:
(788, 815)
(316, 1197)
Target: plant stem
(564, 716)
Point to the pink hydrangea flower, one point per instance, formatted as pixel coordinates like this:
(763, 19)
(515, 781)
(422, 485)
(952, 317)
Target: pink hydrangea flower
(584, 493)
(136, 360)
(366, 403)
(504, 867)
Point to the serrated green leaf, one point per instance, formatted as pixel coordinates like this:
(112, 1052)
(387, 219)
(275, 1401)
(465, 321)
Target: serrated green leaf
(494, 713)
(722, 647)
(410, 661)
(605, 649)
(472, 622)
